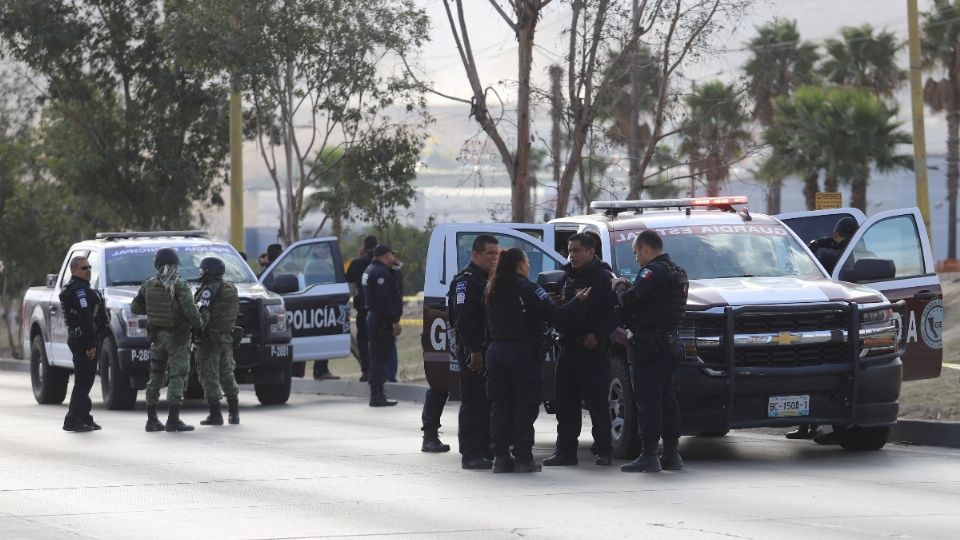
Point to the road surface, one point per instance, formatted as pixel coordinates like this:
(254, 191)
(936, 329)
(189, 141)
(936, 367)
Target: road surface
(331, 467)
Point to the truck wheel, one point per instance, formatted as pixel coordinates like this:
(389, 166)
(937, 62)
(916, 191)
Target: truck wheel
(623, 410)
(858, 439)
(274, 393)
(49, 382)
(118, 393)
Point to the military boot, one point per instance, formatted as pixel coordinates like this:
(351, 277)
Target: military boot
(432, 443)
(379, 399)
(233, 407)
(173, 420)
(153, 423)
(644, 463)
(215, 418)
(671, 460)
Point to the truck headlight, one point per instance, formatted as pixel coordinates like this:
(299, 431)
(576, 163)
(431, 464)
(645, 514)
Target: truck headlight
(133, 325)
(277, 318)
(878, 332)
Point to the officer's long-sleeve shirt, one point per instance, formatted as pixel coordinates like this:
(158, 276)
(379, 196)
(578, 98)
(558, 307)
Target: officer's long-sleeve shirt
(599, 315)
(470, 318)
(382, 293)
(519, 309)
(83, 309)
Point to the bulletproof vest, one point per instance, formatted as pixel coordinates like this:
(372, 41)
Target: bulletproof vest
(509, 318)
(67, 305)
(223, 302)
(160, 308)
(677, 299)
(664, 311)
(458, 286)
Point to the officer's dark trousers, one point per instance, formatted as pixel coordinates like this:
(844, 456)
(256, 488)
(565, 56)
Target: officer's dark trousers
(433, 404)
(652, 369)
(363, 341)
(383, 348)
(514, 385)
(84, 372)
(474, 418)
(582, 377)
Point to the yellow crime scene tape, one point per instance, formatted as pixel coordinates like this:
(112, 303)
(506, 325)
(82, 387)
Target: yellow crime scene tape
(411, 322)
(951, 366)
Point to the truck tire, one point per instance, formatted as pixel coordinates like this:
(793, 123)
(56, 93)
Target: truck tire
(274, 393)
(860, 439)
(118, 393)
(49, 382)
(623, 410)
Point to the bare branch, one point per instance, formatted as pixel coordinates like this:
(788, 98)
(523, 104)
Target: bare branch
(503, 14)
(426, 88)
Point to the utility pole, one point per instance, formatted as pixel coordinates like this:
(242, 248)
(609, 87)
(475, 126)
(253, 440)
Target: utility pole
(916, 101)
(236, 170)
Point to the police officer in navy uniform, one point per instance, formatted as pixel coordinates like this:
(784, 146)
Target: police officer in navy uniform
(517, 311)
(583, 368)
(655, 303)
(384, 300)
(355, 278)
(86, 317)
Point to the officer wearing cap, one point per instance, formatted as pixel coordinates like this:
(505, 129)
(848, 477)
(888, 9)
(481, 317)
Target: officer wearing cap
(86, 318)
(383, 297)
(220, 301)
(171, 314)
(655, 303)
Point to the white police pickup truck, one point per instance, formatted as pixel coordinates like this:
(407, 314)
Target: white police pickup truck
(771, 338)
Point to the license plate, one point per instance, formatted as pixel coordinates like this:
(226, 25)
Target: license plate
(781, 406)
(140, 355)
(279, 351)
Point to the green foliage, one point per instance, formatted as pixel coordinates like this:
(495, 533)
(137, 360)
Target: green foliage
(779, 63)
(863, 59)
(941, 28)
(409, 242)
(132, 134)
(714, 132)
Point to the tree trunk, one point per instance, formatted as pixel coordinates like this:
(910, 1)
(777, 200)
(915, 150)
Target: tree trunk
(633, 143)
(953, 178)
(527, 14)
(811, 185)
(556, 111)
(831, 182)
(858, 192)
(774, 196)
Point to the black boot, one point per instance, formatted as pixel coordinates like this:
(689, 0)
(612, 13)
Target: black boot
(559, 459)
(233, 407)
(215, 418)
(671, 460)
(378, 398)
(432, 443)
(153, 423)
(173, 420)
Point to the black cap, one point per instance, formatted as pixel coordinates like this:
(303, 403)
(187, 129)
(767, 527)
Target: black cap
(369, 242)
(382, 250)
(846, 227)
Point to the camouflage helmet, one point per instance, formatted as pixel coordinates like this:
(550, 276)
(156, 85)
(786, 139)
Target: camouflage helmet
(212, 266)
(165, 256)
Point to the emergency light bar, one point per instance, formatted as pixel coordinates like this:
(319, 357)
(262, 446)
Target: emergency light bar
(614, 207)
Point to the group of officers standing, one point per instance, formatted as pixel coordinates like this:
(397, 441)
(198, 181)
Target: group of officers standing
(496, 320)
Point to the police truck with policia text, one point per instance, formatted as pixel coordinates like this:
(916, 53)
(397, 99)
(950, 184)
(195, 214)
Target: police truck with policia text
(770, 337)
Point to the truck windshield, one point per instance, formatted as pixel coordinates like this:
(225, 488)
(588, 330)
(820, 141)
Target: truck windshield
(722, 251)
(132, 265)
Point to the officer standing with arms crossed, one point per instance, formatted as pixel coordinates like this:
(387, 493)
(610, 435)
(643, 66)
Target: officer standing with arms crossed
(214, 354)
(468, 325)
(384, 300)
(171, 313)
(655, 304)
(517, 311)
(86, 318)
(583, 369)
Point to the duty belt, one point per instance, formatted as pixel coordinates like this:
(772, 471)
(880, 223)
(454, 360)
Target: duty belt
(75, 332)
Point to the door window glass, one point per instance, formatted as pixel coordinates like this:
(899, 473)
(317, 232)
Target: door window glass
(540, 261)
(895, 238)
(312, 264)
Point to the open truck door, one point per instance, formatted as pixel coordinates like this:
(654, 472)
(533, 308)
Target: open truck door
(891, 253)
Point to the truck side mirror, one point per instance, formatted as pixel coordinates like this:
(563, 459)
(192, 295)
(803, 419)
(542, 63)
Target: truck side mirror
(52, 280)
(283, 284)
(550, 280)
(869, 270)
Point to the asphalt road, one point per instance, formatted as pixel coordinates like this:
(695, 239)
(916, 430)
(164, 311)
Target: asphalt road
(331, 467)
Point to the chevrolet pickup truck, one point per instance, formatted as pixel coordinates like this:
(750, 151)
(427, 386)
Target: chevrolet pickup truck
(771, 338)
(120, 263)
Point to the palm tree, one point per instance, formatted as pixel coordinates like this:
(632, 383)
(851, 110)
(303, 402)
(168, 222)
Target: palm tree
(780, 62)
(862, 59)
(939, 46)
(842, 131)
(713, 132)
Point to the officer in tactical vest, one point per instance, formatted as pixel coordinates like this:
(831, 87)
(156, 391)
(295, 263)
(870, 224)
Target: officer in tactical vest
(214, 353)
(655, 303)
(171, 313)
(86, 318)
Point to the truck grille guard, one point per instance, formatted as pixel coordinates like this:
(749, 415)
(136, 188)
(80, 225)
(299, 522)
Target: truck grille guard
(726, 346)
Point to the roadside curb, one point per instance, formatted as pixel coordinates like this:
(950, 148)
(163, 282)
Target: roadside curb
(927, 433)
(353, 388)
(9, 364)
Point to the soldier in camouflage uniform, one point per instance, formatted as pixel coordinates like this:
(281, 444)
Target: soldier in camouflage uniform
(214, 352)
(171, 312)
